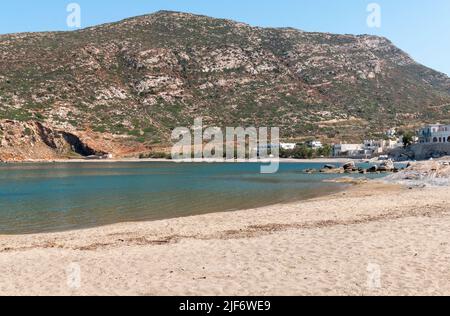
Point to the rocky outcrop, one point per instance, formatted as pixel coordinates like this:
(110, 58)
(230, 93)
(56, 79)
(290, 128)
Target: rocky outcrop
(421, 152)
(79, 147)
(334, 170)
(352, 168)
(386, 166)
(424, 173)
(32, 140)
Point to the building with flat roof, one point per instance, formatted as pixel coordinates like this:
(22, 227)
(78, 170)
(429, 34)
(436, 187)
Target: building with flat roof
(348, 150)
(288, 146)
(315, 144)
(433, 134)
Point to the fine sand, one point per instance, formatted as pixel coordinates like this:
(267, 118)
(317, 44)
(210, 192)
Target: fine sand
(373, 239)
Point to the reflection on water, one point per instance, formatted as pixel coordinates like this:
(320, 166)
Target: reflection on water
(53, 197)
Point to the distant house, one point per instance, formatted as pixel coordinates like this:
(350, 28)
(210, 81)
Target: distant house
(314, 144)
(391, 133)
(268, 147)
(395, 143)
(436, 133)
(377, 147)
(372, 147)
(348, 150)
(288, 146)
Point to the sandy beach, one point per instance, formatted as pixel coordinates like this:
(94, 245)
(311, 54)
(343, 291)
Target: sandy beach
(373, 239)
(141, 145)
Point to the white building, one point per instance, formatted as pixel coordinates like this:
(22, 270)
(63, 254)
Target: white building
(288, 146)
(391, 133)
(436, 133)
(367, 149)
(382, 146)
(393, 143)
(372, 147)
(348, 150)
(315, 144)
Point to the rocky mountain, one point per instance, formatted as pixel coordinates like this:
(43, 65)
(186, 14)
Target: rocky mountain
(122, 87)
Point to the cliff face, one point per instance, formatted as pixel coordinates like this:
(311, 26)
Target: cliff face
(128, 84)
(32, 140)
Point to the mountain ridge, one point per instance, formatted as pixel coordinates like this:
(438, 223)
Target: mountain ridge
(123, 86)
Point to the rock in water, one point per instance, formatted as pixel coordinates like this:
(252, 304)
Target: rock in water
(349, 166)
(372, 169)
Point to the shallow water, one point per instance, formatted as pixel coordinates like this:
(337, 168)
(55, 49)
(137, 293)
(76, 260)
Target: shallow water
(37, 198)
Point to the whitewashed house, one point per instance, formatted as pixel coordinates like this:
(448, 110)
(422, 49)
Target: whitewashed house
(391, 133)
(315, 144)
(348, 150)
(288, 146)
(436, 133)
(372, 147)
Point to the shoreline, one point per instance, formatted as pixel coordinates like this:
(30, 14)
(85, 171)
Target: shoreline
(133, 160)
(345, 184)
(325, 187)
(320, 246)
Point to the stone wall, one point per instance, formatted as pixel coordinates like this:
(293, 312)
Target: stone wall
(427, 151)
(421, 152)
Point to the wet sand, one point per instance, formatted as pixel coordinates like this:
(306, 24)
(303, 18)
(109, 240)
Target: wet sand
(373, 239)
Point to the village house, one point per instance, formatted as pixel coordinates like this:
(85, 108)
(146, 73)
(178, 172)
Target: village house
(348, 150)
(284, 146)
(315, 144)
(391, 133)
(288, 146)
(372, 147)
(436, 133)
(367, 149)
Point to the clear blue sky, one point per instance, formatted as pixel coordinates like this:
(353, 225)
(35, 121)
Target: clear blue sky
(420, 27)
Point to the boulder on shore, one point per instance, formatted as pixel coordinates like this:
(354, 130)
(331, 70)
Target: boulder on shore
(387, 166)
(332, 171)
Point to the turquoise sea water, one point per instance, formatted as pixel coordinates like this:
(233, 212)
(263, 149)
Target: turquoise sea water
(37, 198)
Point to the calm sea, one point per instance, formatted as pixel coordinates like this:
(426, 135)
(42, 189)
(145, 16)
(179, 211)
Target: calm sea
(37, 198)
